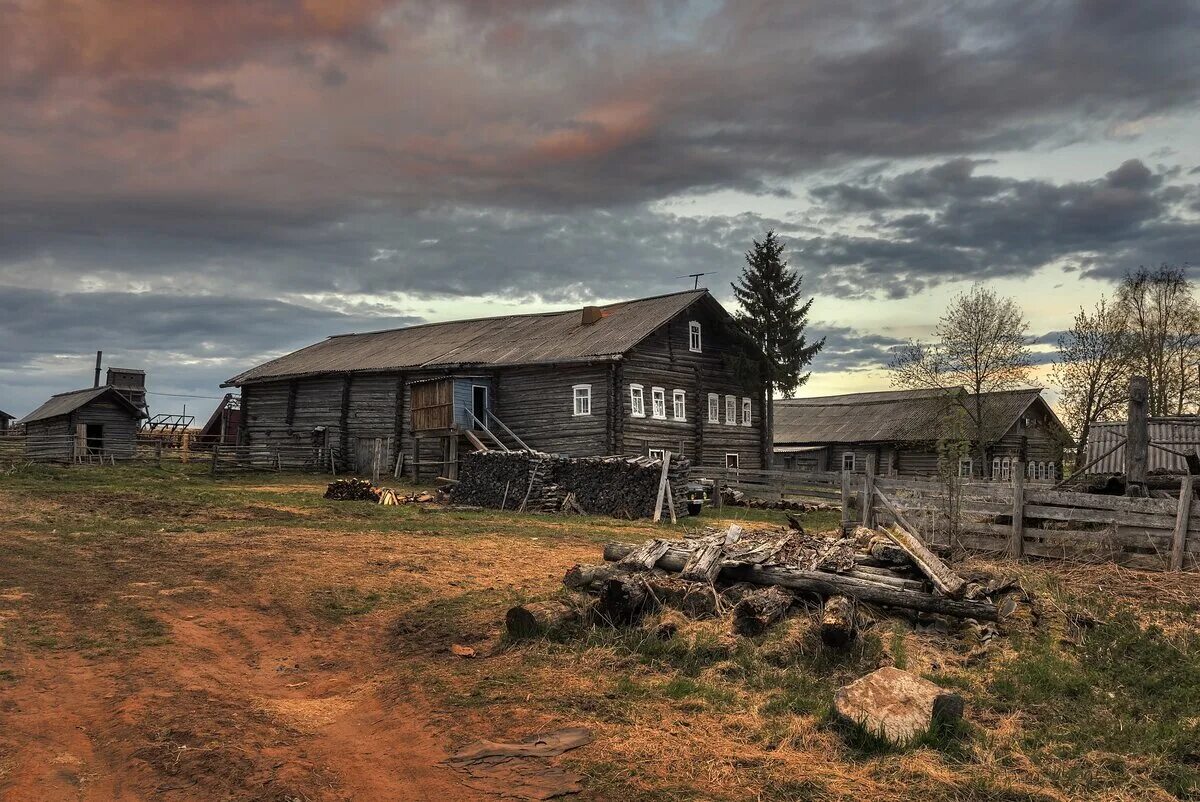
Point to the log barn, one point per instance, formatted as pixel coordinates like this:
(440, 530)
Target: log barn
(897, 433)
(5, 420)
(98, 423)
(639, 378)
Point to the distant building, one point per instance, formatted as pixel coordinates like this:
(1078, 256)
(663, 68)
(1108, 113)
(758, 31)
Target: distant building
(99, 422)
(5, 421)
(639, 378)
(897, 433)
(223, 425)
(1176, 438)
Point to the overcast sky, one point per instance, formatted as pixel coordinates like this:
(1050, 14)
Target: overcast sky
(197, 185)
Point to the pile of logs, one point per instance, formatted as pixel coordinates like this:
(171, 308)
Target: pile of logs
(736, 498)
(758, 576)
(352, 490)
(530, 481)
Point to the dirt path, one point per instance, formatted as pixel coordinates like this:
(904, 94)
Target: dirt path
(237, 708)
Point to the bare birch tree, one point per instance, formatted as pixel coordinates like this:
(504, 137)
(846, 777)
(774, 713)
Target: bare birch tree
(1164, 322)
(1095, 359)
(981, 344)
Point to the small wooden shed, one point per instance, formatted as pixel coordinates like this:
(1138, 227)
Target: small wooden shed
(5, 420)
(98, 423)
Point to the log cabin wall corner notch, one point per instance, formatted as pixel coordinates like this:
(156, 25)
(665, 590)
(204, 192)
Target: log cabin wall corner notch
(651, 374)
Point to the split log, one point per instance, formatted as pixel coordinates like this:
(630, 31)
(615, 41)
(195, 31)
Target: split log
(757, 611)
(624, 599)
(823, 584)
(941, 575)
(839, 621)
(704, 564)
(645, 556)
(581, 577)
(539, 618)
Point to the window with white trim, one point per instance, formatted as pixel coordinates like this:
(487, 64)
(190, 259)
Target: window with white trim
(637, 401)
(657, 453)
(848, 461)
(694, 336)
(1040, 471)
(1005, 469)
(730, 410)
(714, 408)
(679, 405)
(731, 461)
(965, 466)
(583, 399)
(658, 401)
(995, 468)
(1050, 473)
(1031, 470)
(746, 411)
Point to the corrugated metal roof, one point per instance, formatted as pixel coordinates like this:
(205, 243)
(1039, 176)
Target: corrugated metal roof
(890, 416)
(1177, 433)
(509, 340)
(66, 403)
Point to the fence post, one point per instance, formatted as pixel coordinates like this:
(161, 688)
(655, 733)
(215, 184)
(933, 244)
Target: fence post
(869, 496)
(845, 501)
(158, 452)
(1182, 515)
(215, 456)
(718, 484)
(1016, 543)
(184, 443)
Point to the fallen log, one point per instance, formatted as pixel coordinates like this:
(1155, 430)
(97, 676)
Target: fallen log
(757, 611)
(704, 564)
(823, 584)
(581, 577)
(539, 618)
(623, 600)
(839, 621)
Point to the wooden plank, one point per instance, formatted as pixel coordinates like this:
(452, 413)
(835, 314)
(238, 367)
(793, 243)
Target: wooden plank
(1061, 498)
(1083, 515)
(869, 496)
(1137, 437)
(906, 537)
(1017, 540)
(1179, 538)
(662, 486)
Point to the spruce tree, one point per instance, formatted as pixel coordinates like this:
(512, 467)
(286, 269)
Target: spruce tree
(774, 317)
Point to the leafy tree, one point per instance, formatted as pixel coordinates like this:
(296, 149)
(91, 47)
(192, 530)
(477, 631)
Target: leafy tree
(1163, 318)
(773, 315)
(1094, 364)
(982, 345)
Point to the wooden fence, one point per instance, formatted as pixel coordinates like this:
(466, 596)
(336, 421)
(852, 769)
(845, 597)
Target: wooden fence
(776, 485)
(1015, 520)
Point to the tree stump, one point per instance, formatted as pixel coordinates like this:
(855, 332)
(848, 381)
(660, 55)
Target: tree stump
(623, 600)
(839, 621)
(539, 618)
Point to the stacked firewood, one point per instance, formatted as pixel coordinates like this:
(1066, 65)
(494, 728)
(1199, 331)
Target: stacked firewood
(621, 487)
(736, 498)
(757, 577)
(351, 489)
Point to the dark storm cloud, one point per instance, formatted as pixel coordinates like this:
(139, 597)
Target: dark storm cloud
(946, 223)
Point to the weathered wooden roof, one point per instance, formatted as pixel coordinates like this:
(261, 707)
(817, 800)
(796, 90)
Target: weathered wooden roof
(552, 337)
(891, 416)
(66, 403)
(6, 416)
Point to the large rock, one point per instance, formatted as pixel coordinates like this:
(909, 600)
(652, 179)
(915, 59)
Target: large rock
(896, 705)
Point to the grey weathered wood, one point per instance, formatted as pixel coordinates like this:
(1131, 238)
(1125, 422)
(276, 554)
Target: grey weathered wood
(704, 564)
(822, 584)
(1179, 537)
(539, 618)
(868, 515)
(662, 486)
(905, 536)
(839, 621)
(759, 609)
(1016, 543)
(1137, 437)
(845, 501)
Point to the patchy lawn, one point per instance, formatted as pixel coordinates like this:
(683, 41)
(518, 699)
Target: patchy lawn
(168, 635)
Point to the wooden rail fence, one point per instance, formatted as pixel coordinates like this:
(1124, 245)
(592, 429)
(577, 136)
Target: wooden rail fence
(773, 485)
(1016, 520)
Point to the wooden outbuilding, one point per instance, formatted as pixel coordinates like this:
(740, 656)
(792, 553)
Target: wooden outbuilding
(5, 421)
(896, 433)
(96, 424)
(639, 378)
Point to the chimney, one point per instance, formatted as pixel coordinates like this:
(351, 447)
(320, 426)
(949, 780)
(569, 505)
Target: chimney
(99, 356)
(592, 314)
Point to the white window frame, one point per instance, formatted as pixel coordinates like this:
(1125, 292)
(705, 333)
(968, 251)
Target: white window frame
(1050, 473)
(637, 401)
(679, 404)
(657, 453)
(747, 411)
(1040, 471)
(1030, 470)
(970, 466)
(995, 468)
(658, 403)
(714, 408)
(736, 460)
(1006, 469)
(585, 409)
(853, 461)
(730, 410)
(695, 344)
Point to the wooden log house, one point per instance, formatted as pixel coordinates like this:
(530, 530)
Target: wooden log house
(896, 433)
(639, 377)
(97, 424)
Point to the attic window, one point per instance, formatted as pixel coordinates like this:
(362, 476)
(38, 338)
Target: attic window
(694, 336)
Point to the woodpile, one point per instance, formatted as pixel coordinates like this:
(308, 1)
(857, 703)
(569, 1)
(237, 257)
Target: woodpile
(351, 489)
(757, 578)
(530, 481)
(736, 498)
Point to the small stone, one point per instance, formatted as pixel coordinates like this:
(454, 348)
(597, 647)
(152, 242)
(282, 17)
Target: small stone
(896, 705)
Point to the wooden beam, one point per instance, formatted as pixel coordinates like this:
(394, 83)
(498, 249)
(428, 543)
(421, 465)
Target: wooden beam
(662, 487)
(1016, 542)
(1179, 537)
(905, 536)
(1137, 437)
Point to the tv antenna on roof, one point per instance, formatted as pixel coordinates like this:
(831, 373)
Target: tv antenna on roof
(697, 276)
